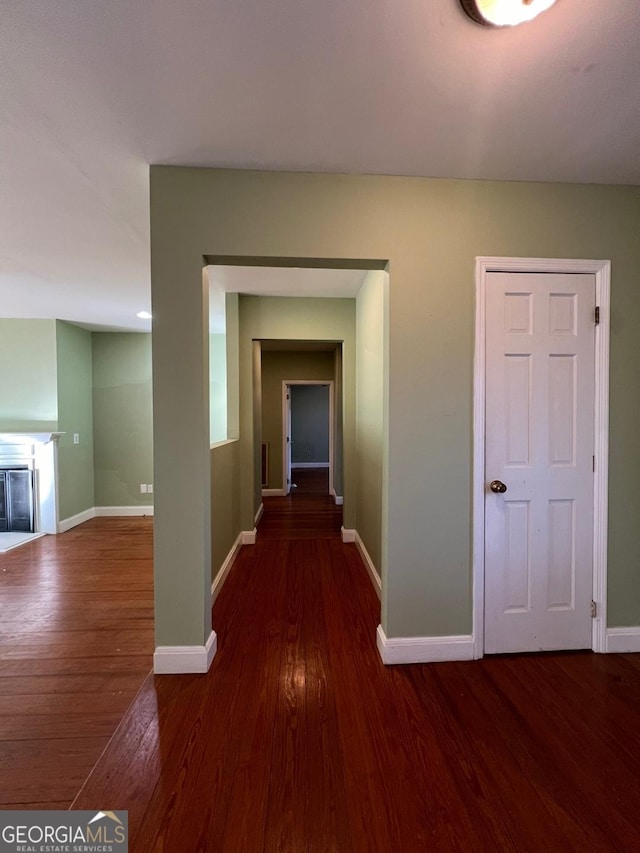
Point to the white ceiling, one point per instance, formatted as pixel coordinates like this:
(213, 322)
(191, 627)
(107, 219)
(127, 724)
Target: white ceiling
(93, 91)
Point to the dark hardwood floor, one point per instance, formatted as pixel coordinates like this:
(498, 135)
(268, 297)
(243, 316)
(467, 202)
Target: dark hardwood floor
(76, 643)
(308, 512)
(299, 739)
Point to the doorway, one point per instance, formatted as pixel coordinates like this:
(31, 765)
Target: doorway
(308, 432)
(540, 455)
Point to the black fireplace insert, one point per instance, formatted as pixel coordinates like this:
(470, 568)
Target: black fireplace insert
(16, 499)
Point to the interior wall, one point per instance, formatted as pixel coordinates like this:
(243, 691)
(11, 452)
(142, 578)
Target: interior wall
(430, 232)
(28, 378)
(338, 410)
(122, 418)
(75, 417)
(370, 437)
(225, 502)
(276, 368)
(256, 452)
(233, 365)
(217, 387)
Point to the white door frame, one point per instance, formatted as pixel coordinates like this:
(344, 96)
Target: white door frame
(285, 384)
(602, 272)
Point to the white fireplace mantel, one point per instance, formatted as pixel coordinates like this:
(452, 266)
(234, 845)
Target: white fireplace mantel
(29, 437)
(38, 450)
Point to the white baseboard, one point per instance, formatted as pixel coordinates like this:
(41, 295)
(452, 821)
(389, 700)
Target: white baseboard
(423, 649)
(225, 568)
(337, 498)
(295, 465)
(623, 639)
(125, 511)
(258, 515)
(348, 535)
(249, 536)
(177, 660)
(274, 493)
(75, 520)
(368, 562)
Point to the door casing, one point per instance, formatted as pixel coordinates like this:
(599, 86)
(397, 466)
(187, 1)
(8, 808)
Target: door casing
(602, 272)
(286, 426)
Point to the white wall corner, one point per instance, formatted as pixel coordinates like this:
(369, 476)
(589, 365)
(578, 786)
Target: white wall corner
(395, 650)
(179, 660)
(249, 536)
(369, 565)
(348, 535)
(337, 498)
(225, 568)
(620, 640)
(75, 520)
(258, 515)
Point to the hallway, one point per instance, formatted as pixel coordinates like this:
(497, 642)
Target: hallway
(299, 739)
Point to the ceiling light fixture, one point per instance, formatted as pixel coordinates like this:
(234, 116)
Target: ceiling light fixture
(504, 13)
(144, 315)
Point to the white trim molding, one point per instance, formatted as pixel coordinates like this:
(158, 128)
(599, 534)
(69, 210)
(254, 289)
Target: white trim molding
(225, 568)
(249, 536)
(102, 512)
(124, 511)
(394, 650)
(601, 270)
(295, 465)
(337, 498)
(622, 640)
(348, 535)
(274, 493)
(178, 660)
(258, 514)
(369, 565)
(75, 520)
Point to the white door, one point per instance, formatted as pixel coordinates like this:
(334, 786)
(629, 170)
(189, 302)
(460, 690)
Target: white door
(539, 421)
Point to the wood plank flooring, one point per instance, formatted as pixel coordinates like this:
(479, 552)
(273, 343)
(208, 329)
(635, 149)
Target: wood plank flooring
(76, 643)
(299, 739)
(307, 513)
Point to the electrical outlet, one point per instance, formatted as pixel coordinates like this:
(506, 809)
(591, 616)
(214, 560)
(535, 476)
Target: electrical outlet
(150, 488)
(143, 488)
(76, 438)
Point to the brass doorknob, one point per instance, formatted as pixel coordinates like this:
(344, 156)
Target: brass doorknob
(498, 487)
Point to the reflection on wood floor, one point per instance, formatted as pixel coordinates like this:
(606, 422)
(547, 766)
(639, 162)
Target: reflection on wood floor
(309, 512)
(299, 739)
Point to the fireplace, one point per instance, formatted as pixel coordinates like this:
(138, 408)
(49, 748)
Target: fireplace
(28, 482)
(16, 500)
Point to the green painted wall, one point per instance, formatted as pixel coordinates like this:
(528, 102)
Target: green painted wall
(370, 319)
(430, 232)
(217, 388)
(233, 365)
(28, 379)
(338, 411)
(225, 501)
(75, 416)
(122, 418)
(276, 367)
